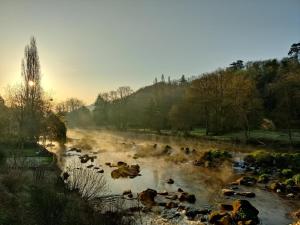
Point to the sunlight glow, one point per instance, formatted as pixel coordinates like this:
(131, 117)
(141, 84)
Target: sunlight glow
(31, 83)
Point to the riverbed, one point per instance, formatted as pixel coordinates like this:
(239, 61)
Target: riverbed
(156, 168)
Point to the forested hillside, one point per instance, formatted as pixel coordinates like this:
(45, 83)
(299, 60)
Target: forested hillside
(242, 97)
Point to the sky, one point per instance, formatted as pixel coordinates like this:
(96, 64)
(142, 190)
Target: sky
(90, 46)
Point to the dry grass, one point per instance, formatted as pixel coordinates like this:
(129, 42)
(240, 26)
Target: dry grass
(86, 181)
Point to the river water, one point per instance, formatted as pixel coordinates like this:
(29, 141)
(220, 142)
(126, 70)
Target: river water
(157, 168)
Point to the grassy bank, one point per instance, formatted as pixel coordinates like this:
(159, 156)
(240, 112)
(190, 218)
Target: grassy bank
(256, 137)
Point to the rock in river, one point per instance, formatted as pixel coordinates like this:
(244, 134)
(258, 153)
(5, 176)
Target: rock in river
(171, 205)
(126, 171)
(244, 211)
(147, 197)
(247, 181)
(226, 207)
(184, 196)
(179, 190)
(215, 216)
(85, 158)
(163, 193)
(172, 197)
(247, 194)
(127, 192)
(228, 192)
(170, 181)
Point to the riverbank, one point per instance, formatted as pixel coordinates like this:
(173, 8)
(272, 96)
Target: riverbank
(32, 192)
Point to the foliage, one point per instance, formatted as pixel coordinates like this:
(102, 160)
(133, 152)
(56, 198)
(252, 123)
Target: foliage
(263, 178)
(48, 206)
(242, 97)
(288, 162)
(287, 172)
(56, 128)
(84, 180)
(296, 178)
(289, 181)
(27, 114)
(13, 181)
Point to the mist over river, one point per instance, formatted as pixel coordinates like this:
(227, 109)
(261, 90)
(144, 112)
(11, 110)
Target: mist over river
(156, 168)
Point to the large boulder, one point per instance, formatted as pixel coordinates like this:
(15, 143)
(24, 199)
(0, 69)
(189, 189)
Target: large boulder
(126, 171)
(147, 197)
(244, 211)
(212, 158)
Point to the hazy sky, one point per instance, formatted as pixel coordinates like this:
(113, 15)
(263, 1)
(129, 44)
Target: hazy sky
(87, 47)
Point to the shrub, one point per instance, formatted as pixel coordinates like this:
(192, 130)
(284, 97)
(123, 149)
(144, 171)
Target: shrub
(47, 205)
(263, 158)
(13, 181)
(280, 160)
(289, 181)
(216, 154)
(287, 173)
(296, 178)
(86, 181)
(264, 178)
(220, 154)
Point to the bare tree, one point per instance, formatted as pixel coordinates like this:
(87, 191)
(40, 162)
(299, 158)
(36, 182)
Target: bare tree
(124, 91)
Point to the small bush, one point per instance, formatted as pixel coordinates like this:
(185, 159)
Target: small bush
(264, 178)
(287, 173)
(47, 205)
(216, 154)
(296, 178)
(13, 181)
(263, 158)
(289, 181)
(279, 160)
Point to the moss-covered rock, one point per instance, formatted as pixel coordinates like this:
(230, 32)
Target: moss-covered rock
(213, 158)
(244, 211)
(266, 159)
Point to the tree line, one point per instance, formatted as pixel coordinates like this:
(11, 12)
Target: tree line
(241, 97)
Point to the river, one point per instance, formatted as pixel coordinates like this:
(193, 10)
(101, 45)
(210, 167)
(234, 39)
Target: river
(156, 168)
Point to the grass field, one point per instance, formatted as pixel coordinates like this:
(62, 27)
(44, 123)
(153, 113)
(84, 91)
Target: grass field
(259, 135)
(255, 136)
